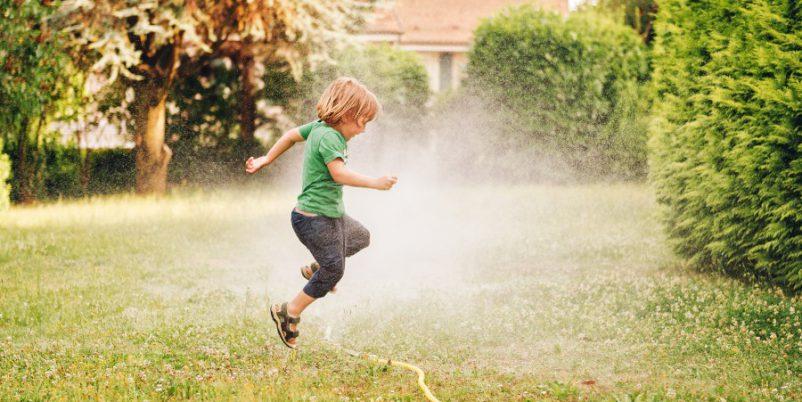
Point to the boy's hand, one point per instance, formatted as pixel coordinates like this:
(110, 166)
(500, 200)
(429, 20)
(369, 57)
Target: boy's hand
(386, 182)
(253, 165)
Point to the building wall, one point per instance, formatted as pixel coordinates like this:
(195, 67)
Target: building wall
(432, 61)
(460, 66)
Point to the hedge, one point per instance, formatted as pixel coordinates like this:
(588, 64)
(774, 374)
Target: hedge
(68, 172)
(570, 87)
(726, 145)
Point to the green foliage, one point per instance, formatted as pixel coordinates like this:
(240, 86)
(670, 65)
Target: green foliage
(32, 80)
(71, 172)
(5, 172)
(397, 77)
(727, 141)
(62, 171)
(30, 62)
(569, 87)
(204, 127)
(205, 112)
(68, 172)
(110, 171)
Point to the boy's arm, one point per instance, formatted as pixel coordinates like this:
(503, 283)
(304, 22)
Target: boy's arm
(287, 140)
(348, 177)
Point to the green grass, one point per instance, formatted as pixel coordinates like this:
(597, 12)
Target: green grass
(498, 293)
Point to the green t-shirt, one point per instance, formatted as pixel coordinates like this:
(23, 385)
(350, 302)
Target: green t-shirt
(321, 194)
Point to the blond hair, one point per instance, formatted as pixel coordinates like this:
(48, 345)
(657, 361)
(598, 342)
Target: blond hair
(344, 96)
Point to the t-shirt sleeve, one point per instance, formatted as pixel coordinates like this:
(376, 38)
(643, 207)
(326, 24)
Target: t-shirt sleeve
(306, 129)
(331, 148)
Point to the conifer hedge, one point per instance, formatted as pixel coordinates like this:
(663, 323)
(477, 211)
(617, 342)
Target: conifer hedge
(726, 145)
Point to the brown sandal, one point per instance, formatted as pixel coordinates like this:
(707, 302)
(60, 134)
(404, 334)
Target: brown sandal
(308, 270)
(283, 320)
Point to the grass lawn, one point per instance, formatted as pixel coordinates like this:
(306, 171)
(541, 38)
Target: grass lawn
(498, 293)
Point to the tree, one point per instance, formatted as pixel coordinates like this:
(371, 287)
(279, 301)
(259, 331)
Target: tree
(151, 43)
(32, 78)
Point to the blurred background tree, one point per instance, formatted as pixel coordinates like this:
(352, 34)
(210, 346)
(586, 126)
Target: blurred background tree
(32, 81)
(152, 44)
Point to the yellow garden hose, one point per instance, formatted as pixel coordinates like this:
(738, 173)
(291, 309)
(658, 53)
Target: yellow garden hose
(421, 375)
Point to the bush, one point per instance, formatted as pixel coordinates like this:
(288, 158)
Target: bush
(61, 170)
(727, 141)
(111, 171)
(65, 171)
(567, 88)
(5, 172)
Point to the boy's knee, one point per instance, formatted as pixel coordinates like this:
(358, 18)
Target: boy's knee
(365, 238)
(325, 278)
(337, 272)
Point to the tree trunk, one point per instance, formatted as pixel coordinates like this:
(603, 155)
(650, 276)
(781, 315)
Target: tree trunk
(152, 154)
(247, 72)
(21, 171)
(86, 171)
(39, 161)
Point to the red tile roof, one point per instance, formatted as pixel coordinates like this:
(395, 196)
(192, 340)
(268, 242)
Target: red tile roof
(448, 22)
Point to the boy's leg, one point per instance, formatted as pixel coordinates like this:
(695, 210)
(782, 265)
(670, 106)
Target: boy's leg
(356, 236)
(297, 305)
(325, 239)
(294, 309)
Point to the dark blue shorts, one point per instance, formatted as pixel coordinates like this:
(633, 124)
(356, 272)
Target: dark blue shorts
(329, 240)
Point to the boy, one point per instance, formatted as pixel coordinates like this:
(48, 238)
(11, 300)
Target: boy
(319, 219)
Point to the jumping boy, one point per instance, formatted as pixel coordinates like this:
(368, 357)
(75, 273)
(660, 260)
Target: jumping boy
(319, 218)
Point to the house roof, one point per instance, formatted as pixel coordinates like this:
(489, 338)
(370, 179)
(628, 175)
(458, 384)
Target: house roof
(442, 22)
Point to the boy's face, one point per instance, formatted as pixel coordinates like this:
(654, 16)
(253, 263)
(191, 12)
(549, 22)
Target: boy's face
(350, 126)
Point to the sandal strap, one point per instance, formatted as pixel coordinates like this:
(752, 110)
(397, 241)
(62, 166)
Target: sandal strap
(286, 320)
(286, 316)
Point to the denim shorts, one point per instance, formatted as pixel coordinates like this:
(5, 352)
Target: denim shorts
(329, 240)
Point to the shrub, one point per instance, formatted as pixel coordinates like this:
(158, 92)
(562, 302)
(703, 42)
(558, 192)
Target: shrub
(61, 171)
(111, 171)
(5, 172)
(68, 172)
(727, 140)
(568, 88)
